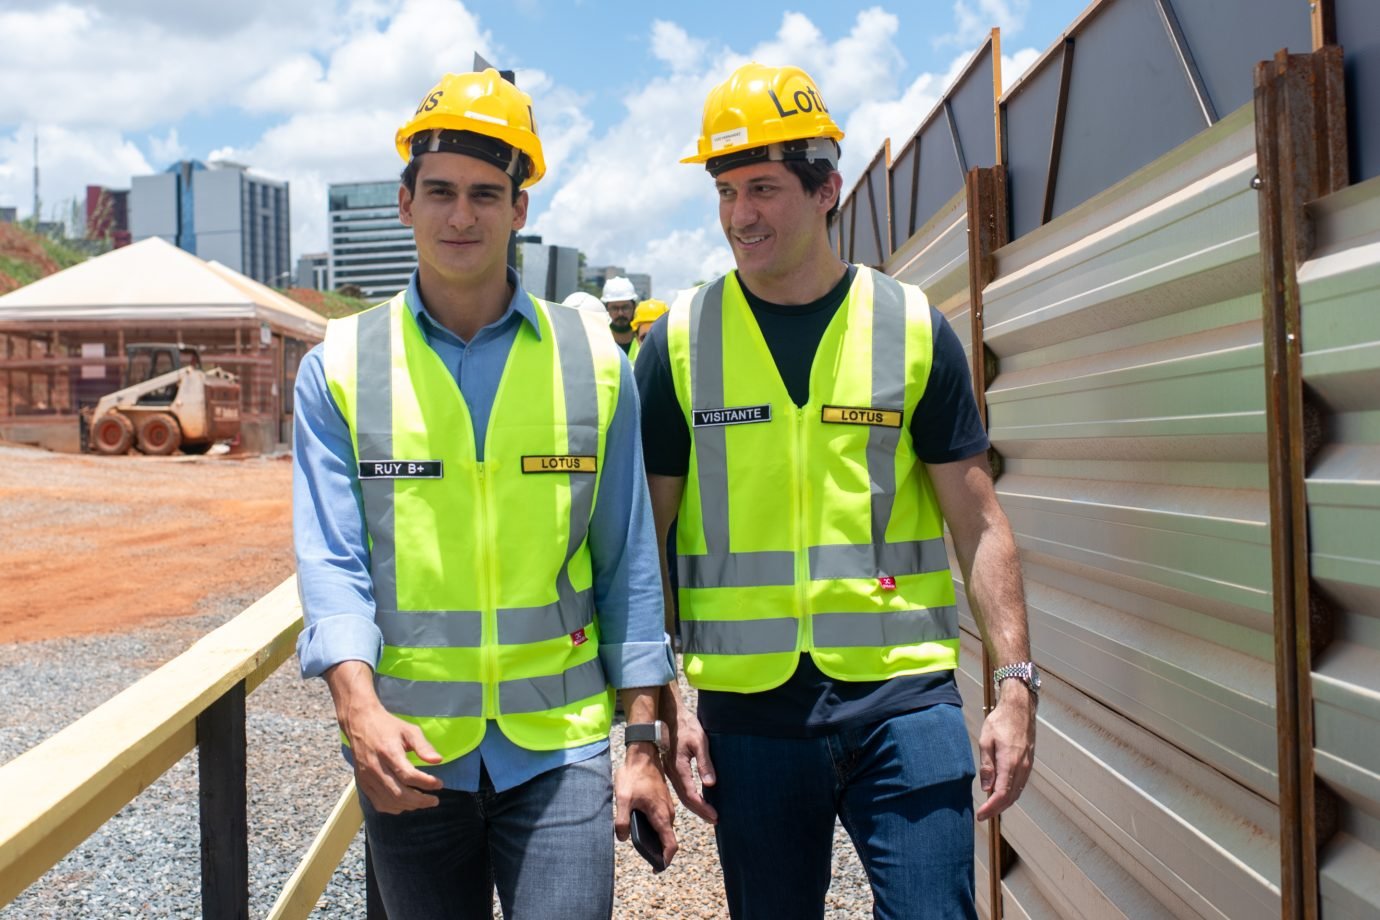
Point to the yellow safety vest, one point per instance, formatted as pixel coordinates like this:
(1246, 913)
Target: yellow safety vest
(633, 348)
(481, 570)
(811, 529)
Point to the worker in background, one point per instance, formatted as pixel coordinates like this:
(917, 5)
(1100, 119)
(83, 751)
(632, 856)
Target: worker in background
(583, 300)
(813, 478)
(620, 300)
(647, 312)
(469, 649)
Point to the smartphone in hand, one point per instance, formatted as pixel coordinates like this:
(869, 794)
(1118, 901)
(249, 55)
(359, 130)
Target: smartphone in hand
(646, 841)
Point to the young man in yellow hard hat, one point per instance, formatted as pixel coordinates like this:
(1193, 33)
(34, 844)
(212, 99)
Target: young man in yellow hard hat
(647, 312)
(475, 553)
(812, 424)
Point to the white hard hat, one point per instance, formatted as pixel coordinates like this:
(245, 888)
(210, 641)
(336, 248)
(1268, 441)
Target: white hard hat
(619, 288)
(582, 300)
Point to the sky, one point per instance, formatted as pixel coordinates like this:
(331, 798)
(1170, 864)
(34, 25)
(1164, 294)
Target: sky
(313, 91)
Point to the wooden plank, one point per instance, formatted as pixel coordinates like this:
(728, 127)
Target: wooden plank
(89, 770)
(299, 896)
(24, 861)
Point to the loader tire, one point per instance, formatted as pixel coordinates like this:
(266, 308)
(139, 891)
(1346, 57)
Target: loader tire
(112, 434)
(159, 434)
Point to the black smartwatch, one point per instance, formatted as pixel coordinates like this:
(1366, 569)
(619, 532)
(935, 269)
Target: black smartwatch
(655, 732)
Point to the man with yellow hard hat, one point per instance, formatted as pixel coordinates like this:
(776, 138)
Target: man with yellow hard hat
(812, 425)
(647, 312)
(475, 552)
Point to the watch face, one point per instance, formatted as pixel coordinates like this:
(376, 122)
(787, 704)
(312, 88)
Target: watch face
(1035, 681)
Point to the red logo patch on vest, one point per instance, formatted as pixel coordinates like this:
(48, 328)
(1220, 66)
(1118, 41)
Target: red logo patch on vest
(578, 637)
(887, 583)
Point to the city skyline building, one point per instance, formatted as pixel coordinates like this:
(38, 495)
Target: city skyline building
(107, 215)
(224, 212)
(369, 246)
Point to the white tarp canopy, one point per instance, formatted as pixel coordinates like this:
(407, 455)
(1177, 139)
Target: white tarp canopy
(153, 281)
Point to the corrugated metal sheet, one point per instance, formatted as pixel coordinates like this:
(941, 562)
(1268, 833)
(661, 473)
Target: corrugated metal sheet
(1339, 291)
(1129, 412)
(936, 260)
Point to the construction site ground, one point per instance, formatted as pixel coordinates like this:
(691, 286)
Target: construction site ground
(93, 544)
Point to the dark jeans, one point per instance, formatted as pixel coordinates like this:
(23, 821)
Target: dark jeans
(902, 789)
(547, 846)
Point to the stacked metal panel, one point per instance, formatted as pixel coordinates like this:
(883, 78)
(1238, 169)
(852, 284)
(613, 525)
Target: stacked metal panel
(1129, 412)
(1339, 294)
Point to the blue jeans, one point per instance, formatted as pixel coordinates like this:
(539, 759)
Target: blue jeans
(547, 845)
(902, 789)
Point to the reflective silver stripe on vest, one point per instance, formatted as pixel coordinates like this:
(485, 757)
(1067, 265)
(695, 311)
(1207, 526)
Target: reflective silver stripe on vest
(888, 392)
(430, 628)
(442, 699)
(718, 567)
(574, 609)
(738, 570)
(374, 437)
(884, 630)
(846, 560)
(538, 694)
(738, 637)
(521, 625)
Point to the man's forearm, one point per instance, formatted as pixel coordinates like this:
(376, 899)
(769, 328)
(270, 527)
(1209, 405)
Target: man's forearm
(997, 594)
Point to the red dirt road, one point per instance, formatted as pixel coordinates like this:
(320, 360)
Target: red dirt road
(94, 544)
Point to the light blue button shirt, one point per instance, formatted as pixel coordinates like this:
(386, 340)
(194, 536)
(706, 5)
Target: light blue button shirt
(333, 559)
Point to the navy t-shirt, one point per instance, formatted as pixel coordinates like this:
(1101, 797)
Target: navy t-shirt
(945, 428)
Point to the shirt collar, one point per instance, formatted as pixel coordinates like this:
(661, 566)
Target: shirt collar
(521, 304)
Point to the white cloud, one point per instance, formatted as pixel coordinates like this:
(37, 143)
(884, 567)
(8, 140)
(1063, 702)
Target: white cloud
(974, 19)
(167, 149)
(674, 46)
(69, 160)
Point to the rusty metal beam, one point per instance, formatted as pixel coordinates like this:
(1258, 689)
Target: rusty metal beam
(988, 231)
(1301, 154)
(1056, 140)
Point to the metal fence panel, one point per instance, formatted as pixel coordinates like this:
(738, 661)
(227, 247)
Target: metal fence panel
(1128, 101)
(936, 261)
(1226, 40)
(973, 106)
(1339, 288)
(1358, 31)
(1027, 129)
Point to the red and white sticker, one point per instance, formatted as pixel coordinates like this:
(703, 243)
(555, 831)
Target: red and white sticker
(578, 637)
(886, 583)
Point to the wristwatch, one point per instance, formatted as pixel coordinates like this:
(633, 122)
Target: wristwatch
(655, 732)
(1024, 671)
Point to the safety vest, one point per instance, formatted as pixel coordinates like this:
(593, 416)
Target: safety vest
(481, 570)
(633, 348)
(812, 529)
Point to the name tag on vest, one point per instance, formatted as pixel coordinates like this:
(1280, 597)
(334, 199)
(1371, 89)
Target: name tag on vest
(400, 469)
(560, 463)
(731, 415)
(862, 415)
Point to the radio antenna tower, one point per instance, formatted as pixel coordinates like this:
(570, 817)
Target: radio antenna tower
(36, 211)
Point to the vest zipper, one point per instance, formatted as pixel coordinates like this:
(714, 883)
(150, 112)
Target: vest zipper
(488, 615)
(802, 566)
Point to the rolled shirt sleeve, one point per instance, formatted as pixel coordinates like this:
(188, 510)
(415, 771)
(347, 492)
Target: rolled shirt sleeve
(333, 578)
(633, 646)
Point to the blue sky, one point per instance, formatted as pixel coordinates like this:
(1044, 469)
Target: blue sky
(312, 92)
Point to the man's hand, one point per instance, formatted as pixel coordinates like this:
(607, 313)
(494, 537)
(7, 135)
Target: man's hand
(1007, 746)
(379, 742)
(689, 747)
(640, 785)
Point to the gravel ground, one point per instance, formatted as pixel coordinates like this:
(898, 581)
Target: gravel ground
(145, 861)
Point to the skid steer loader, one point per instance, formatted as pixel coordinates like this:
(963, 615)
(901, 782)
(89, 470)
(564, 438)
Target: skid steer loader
(169, 402)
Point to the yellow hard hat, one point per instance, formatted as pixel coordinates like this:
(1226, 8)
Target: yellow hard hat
(479, 103)
(765, 113)
(647, 312)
